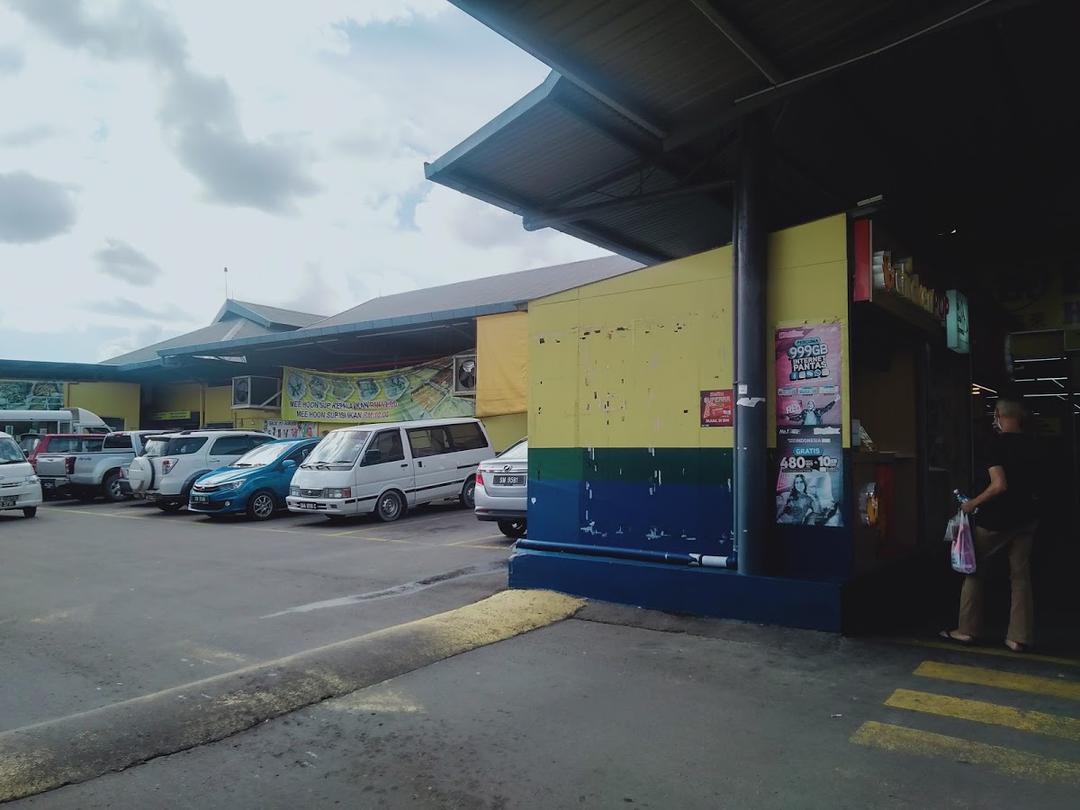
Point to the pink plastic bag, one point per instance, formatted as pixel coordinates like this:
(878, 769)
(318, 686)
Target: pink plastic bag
(963, 548)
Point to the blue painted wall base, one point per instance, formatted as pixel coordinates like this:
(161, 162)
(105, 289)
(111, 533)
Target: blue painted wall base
(808, 604)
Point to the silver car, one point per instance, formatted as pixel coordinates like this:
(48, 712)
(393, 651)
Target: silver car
(502, 486)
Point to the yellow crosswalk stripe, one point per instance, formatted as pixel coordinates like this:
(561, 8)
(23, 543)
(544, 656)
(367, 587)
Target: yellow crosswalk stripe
(1067, 728)
(960, 673)
(1003, 652)
(1008, 761)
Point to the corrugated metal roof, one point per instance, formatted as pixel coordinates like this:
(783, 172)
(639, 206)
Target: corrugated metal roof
(509, 290)
(219, 332)
(279, 316)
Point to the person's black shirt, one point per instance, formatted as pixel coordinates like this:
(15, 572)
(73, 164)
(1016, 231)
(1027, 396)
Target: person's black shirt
(1015, 507)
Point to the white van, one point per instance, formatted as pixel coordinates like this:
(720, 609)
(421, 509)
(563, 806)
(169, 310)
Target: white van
(19, 486)
(385, 469)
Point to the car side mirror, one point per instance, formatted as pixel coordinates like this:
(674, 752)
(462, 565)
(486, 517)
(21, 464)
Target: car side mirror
(288, 464)
(373, 456)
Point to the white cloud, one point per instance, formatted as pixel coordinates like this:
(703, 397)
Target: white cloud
(121, 261)
(347, 96)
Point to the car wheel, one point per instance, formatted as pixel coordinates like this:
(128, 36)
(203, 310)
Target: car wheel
(169, 506)
(468, 494)
(391, 506)
(29, 511)
(261, 505)
(111, 486)
(513, 528)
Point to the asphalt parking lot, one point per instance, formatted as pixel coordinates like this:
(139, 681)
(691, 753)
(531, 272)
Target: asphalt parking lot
(104, 602)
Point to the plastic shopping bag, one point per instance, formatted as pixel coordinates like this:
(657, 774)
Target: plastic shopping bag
(963, 547)
(953, 526)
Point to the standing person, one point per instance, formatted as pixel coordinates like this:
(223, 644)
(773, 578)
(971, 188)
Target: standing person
(1006, 521)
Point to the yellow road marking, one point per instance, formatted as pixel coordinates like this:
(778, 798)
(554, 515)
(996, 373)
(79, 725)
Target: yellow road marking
(102, 514)
(999, 653)
(476, 540)
(488, 548)
(1000, 680)
(1008, 761)
(1068, 728)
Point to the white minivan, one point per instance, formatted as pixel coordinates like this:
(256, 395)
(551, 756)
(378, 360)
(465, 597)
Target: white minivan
(384, 469)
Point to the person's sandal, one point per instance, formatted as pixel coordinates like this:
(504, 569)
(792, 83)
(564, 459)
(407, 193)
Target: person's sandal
(963, 642)
(1017, 646)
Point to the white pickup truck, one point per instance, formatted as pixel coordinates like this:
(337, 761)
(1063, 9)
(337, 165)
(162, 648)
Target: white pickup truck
(102, 473)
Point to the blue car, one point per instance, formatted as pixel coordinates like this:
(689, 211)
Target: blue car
(255, 484)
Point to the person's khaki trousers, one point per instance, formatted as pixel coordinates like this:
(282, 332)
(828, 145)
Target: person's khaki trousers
(1022, 613)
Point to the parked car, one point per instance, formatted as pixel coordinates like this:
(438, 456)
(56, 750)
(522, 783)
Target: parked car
(256, 484)
(53, 459)
(19, 486)
(502, 485)
(102, 472)
(173, 462)
(385, 469)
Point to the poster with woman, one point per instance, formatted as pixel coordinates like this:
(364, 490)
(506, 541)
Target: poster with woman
(810, 480)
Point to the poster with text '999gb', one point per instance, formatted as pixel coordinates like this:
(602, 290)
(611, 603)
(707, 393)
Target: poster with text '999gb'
(809, 446)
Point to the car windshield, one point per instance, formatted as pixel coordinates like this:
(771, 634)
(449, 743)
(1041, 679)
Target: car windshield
(340, 447)
(10, 452)
(517, 452)
(261, 456)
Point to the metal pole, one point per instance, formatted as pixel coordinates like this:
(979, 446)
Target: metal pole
(751, 440)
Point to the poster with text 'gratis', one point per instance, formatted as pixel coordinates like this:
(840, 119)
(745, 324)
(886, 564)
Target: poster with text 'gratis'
(809, 446)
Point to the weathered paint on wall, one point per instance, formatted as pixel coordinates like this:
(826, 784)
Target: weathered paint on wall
(108, 399)
(617, 454)
(502, 356)
(506, 429)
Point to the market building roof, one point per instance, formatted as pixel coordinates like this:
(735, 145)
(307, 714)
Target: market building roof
(631, 142)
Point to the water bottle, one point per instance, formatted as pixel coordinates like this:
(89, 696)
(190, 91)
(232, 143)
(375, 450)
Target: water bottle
(961, 498)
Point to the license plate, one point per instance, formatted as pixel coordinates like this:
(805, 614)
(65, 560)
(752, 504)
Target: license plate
(200, 499)
(509, 480)
(307, 505)
(6, 502)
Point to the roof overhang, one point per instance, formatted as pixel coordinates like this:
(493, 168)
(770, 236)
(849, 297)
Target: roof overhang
(950, 110)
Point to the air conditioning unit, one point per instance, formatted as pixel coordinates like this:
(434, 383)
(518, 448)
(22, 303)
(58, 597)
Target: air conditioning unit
(256, 392)
(465, 375)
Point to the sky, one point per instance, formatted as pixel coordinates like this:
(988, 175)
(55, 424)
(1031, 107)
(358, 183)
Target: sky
(145, 146)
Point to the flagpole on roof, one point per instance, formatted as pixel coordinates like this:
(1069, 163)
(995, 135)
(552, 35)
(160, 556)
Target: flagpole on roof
(226, 283)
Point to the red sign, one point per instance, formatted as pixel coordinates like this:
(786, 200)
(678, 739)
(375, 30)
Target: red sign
(863, 289)
(717, 408)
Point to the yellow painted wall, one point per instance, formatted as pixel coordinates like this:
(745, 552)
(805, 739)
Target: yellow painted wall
(661, 335)
(502, 357)
(253, 418)
(506, 429)
(107, 399)
(807, 283)
(655, 337)
(218, 405)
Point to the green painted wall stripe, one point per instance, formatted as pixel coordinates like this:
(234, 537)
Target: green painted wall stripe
(669, 465)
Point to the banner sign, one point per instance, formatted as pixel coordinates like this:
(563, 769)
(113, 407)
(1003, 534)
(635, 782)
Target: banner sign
(418, 392)
(31, 395)
(717, 408)
(284, 429)
(809, 445)
(956, 322)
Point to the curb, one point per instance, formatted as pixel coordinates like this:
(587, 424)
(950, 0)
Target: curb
(79, 747)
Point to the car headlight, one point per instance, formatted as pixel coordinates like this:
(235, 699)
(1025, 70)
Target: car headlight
(294, 492)
(30, 479)
(344, 492)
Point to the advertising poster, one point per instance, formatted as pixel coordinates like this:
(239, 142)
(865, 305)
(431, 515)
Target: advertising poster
(810, 480)
(808, 376)
(418, 392)
(283, 429)
(29, 395)
(717, 408)
(809, 444)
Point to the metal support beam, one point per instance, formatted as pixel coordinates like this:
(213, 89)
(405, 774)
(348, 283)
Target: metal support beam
(751, 400)
(722, 23)
(550, 219)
